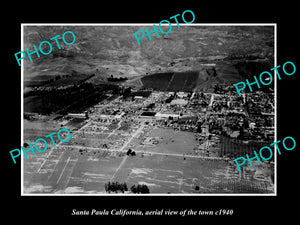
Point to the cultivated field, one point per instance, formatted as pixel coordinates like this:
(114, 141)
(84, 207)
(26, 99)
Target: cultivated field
(165, 166)
(73, 99)
(159, 81)
(190, 80)
(178, 81)
(236, 148)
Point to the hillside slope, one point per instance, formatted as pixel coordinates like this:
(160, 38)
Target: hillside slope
(113, 50)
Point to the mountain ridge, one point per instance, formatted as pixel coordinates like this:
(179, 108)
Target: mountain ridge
(113, 50)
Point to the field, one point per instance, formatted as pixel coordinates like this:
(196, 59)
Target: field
(170, 141)
(248, 69)
(192, 80)
(157, 81)
(184, 81)
(178, 81)
(228, 73)
(57, 81)
(165, 167)
(73, 99)
(234, 148)
(35, 130)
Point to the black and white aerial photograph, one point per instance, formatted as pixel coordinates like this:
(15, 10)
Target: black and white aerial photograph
(162, 117)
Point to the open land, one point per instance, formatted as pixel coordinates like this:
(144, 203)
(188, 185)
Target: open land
(164, 115)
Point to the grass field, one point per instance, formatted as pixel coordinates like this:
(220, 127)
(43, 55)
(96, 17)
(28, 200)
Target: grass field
(170, 141)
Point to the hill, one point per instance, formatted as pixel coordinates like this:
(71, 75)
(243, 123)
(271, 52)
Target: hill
(113, 50)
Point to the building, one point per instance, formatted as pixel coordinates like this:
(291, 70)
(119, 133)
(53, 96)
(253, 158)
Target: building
(181, 102)
(182, 94)
(165, 115)
(78, 115)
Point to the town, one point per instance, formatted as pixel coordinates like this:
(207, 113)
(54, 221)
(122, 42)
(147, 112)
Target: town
(160, 118)
(136, 128)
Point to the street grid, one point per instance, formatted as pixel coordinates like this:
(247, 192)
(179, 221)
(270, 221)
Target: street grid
(84, 168)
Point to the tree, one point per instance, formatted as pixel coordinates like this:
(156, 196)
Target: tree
(140, 189)
(199, 129)
(25, 145)
(125, 187)
(144, 189)
(129, 151)
(108, 187)
(133, 189)
(126, 92)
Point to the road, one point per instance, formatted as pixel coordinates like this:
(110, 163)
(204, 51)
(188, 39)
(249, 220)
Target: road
(146, 152)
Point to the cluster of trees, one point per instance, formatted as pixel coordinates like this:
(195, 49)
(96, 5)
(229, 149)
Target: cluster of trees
(218, 89)
(51, 80)
(115, 79)
(75, 98)
(122, 187)
(125, 92)
(130, 152)
(140, 189)
(253, 56)
(116, 187)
